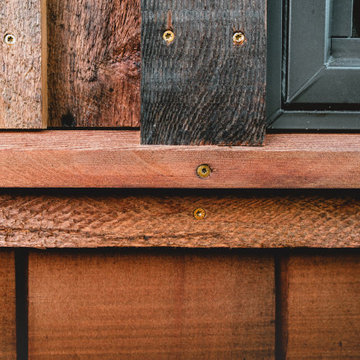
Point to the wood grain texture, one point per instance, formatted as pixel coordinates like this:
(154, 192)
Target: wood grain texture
(201, 88)
(7, 306)
(323, 306)
(20, 75)
(115, 159)
(94, 63)
(150, 305)
(137, 219)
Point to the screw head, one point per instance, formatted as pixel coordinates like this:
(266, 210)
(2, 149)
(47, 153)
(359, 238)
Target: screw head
(168, 36)
(239, 38)
(203, 171)
(9, 39)
(199, 214)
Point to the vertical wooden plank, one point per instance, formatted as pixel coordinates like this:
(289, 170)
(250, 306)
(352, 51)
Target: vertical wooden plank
(7, 306)
(151, 305)
(323, 307)
(20, 61)
(202, 88)
(94, 63)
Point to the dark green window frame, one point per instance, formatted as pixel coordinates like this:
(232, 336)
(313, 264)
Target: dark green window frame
(313, 66)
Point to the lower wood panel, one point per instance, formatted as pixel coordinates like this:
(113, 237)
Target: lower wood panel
(7, 306)
(91, 219)
(151, 305)
(323, 307)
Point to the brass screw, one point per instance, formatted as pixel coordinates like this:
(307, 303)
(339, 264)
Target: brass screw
(9, 39)
(168, 36)
(203, 171)
(199, 214)
(239, 38)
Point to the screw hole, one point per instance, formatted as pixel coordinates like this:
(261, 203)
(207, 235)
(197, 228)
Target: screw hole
(239, 38)
(199, 214)
(168, 36)
(9, 39)
(203, 171)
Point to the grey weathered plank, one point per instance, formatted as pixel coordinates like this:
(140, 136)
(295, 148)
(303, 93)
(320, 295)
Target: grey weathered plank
(20, 63)
(201, 88)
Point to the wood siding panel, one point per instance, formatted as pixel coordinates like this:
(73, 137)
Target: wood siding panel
(21, 67)
(94, 63)
(201, 88)
(109, 158)
(323, 306)
(150, 305)
(145, 219)
(7, 306)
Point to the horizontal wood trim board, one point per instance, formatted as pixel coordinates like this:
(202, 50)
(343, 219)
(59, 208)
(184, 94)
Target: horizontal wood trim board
(110, 158)
(136, 219)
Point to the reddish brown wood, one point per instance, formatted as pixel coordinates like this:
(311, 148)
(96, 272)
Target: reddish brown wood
(282, 298)
(7, 306)
(151, 305)
(324, 306)
(94, 63)
(138, 219)
(115, 159)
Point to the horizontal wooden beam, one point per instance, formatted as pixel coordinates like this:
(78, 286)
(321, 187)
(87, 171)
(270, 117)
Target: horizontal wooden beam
(104, 158)
(142, 218)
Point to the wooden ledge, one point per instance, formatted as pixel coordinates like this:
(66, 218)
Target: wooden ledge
(111, 158)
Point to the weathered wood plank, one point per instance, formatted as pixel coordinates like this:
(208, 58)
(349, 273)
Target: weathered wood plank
(20, 61)
(7, 305)
(115, 159)
(202, 88)
(323, 307)
(123, 219)
(94, 63)
(150, 305)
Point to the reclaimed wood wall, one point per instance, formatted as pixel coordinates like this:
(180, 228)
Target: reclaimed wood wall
(156, 303)
(77, 64)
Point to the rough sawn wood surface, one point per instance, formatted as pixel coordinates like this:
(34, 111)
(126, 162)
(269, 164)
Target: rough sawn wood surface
(123, 219)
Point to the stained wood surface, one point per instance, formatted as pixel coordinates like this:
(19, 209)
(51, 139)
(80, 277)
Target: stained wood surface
(150, 305)
(94, 63)
(21, 72)
(140, 219)
(115, 159)
(201, 88)
(323, 306)
(7, 306)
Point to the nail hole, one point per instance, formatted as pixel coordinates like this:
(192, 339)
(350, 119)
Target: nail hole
(203, 171)
(239, 38)
(9, 39)
(168, 36)
(199, 214)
